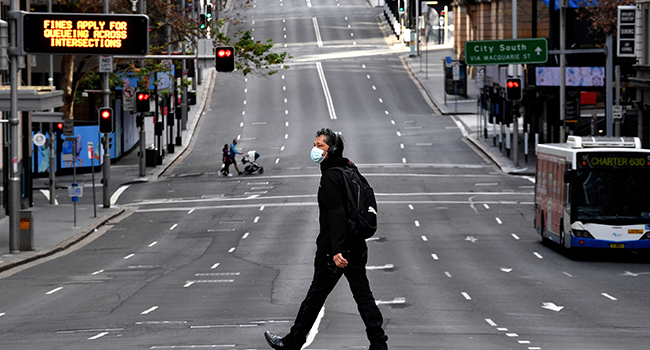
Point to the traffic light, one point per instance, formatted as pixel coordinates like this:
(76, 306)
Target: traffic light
(225, 59)
(202, 20)
(513, 89)
(106, 120)
(142, 102)
(208, 12)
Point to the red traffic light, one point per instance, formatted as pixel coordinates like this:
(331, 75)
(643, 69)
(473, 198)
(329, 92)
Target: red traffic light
(224, 52)
(105, 114)
(59, 126)
(143, 96)
(513, 84)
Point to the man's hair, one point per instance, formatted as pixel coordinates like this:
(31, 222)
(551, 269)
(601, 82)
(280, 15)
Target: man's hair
(334, 141)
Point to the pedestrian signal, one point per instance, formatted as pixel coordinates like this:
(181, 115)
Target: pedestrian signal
(142, 102)
(225, 59)
(106, 120)
(513, 89)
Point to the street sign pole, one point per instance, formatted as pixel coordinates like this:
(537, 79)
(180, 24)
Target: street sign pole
(14, 175)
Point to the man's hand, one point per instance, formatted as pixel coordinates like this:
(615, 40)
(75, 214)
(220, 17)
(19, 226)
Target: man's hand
(340, 261)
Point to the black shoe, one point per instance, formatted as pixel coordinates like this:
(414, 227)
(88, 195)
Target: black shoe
(241, 172)
(274, 341)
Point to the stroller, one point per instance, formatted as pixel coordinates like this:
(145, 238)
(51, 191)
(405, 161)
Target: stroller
(250, 161)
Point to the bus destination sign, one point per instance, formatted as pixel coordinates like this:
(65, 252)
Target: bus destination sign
(614, 160)
(84, 33)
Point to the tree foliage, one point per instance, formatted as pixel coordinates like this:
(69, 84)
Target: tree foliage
(602, 14)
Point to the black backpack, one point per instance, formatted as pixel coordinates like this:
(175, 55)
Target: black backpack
(361, 208)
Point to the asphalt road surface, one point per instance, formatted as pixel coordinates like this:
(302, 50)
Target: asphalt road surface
(201, 260)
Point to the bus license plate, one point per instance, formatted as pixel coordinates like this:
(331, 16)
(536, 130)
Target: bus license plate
(617, 245)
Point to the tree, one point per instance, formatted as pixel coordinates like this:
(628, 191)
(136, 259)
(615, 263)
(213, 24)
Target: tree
(602, 14)
(170, 26)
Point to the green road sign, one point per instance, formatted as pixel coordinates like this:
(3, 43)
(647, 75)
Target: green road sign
(512, 51)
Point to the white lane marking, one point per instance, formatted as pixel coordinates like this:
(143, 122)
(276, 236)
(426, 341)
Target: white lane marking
(191, 211)
(319, 40)
(386, 112)
(368, 76)
(608, 296)
(460, 126)
(523, 341)
(118, 193)
(2, 314)
(153, 244)
(214, 266)
(434, 256)
(487, 184)
(404, 160)
(308, 3)
(399, 134)
(381, 101)
(391, 302)
(286, 136)
(567, 274)
(277, 160)
(147, 311)
(46, 193)
(245, 235)
(490, 322)
(502, 329)
(515, 236)
(417, 223)
(188, 284)
(401, 145)
(552, 307)
(538, 255)
(384, 267)
(466, 296)
(411, 207)
(97, 272)
(262, 208)
(374, 87)
(326, 90)
(129, 256)
(512, 335)
(392, 122)
(314, 329)
(424, 238)
(506, 269)
(231, 250)
(257, 218)
(54, 291)
(486, 206)
(448, 274)
(98, 336)
(173, 227)
(499, 221)
(471, 239)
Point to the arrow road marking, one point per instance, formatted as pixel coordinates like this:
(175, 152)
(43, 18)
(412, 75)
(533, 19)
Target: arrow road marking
(506, 269)
(471, 239)
(628, 273)
(551, 306)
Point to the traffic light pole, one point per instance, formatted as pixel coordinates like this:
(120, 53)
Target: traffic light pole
(107, 145)
(14, 175)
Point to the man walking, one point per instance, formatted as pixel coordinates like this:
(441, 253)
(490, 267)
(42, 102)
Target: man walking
(337, 254)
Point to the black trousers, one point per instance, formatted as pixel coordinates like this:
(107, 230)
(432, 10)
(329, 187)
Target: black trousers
(326, 276)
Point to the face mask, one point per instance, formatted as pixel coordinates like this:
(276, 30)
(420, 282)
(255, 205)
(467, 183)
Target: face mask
(317, 155)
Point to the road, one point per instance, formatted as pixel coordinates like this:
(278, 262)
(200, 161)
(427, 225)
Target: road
(205, 261)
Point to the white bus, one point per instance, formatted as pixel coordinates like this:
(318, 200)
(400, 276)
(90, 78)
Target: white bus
(594, 192)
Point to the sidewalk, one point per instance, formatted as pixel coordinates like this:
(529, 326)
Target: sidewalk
(428, 69)
(53, 225)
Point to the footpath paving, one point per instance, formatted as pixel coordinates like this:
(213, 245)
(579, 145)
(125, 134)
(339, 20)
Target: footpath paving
(54, 224)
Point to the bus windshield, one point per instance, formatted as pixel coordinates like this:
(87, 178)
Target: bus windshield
(612, 196)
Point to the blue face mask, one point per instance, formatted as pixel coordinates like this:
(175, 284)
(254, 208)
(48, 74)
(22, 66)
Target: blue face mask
(317, 155)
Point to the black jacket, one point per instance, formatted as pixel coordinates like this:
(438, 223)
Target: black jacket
(332, 196)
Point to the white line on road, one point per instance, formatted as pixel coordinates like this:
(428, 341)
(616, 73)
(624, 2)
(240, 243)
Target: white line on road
(214, 266)
(608, 296)
(411, 207)
(384, 267)
(128, 256)
(97, 272)
(466, 296)
(424, 238)
(145, 312)
(448, 274)
(417, 223)
(314, 329)
(538, 255)
(490, 322)
(231, 250)
(54, 290)
(153, 244)
(257, 218)
(326, 90)
(515, 236)
(245, 235)
(2, 314)
(173, 227)
(191, 211)
(318, 37)
(567, 274)
(98, 336)
(118, 193)
(434, 256)
(499, 221)
(391, 302)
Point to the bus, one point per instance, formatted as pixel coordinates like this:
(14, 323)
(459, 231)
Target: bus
(594, 192)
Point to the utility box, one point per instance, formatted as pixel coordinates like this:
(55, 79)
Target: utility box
(26, 230)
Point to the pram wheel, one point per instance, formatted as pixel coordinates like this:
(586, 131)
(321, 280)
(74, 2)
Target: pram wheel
(261, 171)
